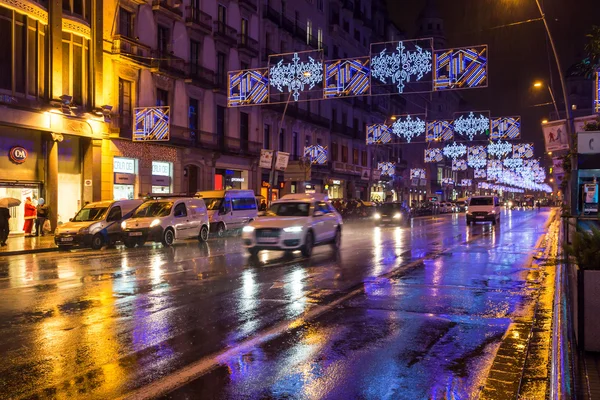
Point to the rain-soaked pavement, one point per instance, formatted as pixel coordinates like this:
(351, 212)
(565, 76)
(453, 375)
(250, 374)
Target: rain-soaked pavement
(412, 312)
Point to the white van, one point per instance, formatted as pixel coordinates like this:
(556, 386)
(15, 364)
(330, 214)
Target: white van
(96, 224)
(483, 208)
(167, 220)
(229, 209)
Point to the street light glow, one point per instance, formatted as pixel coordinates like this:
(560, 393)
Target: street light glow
(544, 121)
(537, 84)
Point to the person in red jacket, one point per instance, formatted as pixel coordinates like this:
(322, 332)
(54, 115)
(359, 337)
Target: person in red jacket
(30, 213)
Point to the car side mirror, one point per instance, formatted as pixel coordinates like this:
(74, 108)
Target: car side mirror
(70, 219)
(318, 214)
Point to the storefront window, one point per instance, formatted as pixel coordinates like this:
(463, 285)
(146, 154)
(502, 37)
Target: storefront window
(162, 175)
(17, 214)
(125, 174)
(226, 179)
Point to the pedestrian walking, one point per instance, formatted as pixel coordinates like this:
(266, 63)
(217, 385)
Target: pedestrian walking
(263, 206)
(29, 217)
(42, 217)
(4, 229)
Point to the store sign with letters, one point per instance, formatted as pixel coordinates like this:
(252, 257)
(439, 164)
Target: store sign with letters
(124, 165)
(588, 142)
(161, 180)
(18, 154)
(266, 158)
(124, 179)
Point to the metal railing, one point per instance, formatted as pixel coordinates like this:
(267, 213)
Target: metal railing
(201, 75)
(199, 17)
(132, 49)
(247, 43)
(164, 4)
(272, 15)
(250, 4)
(225, 31)
(168, 63)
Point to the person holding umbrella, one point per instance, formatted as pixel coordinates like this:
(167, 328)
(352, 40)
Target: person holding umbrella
(5, 203)
(29, 216)
(42, 216)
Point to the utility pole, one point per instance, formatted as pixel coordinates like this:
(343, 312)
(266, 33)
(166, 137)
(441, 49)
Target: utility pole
(273, 172)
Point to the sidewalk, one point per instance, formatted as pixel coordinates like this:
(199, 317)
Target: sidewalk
(25, 245)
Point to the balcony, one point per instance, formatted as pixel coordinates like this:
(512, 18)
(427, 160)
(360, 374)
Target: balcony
(131, 49)
(272, 15)
(249, 5)
(288, 25)
(245, 147)
(121, 124)
(312, 42)
(347, 168)
(248, 45)
(266, 52)
(225, 32)
(200, 76)
(168, 8)
(300, 33)
(193, 137)
(198, 20)
(167, 63)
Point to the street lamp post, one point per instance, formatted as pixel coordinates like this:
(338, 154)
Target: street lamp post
(538, 85)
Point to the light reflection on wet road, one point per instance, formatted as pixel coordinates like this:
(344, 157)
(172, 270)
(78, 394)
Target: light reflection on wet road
(100, 324)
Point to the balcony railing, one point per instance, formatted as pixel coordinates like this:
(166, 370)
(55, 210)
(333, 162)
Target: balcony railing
(266, 52)
(247, 44)
(288, 25)
(194, 137)
(239, 146)
(131, 49)
(165, 5)
(198, 19)
(225, 31)
(200, 76)
(168, 63)
(249, 5)
(272, 15)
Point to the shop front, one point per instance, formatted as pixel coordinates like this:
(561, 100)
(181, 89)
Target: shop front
(125, 178)
(162, 176)
(226, 179)
(335, 189)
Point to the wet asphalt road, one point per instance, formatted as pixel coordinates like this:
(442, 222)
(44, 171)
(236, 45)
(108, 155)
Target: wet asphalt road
(87, 324)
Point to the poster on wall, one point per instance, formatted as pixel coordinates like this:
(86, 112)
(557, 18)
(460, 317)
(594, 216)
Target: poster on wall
(591, 198)
(282, 160)
(266, 158)
(555, 135)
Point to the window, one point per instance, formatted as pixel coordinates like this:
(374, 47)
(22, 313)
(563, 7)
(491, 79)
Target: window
(319, 141)
(355, 126)
(334, 115)
(195, 58)
(346, 26)
(75, 67)
(244, 130)
(357, 35)
(282, 140)
(344, 119)
(125, 23)
(163, 39)
(334, 151)
(322, 207)
(244, 203)
(307, 140)
(193, 114)
(125, 103)
(221, 125)
(364, 158)
(114, 214)
(320, 38)
(267, 136)
(180, 210)
(336, 51)
(295, 144)
(162, 98)
(430, 26)
(244, 65)
(355, 156)
(308, 31)
(222, 14)
(344, 153)
(283, 7)
(221, 69)
(244, 30)
(78, 7)
(320, 5)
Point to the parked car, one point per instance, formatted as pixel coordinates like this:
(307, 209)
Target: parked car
(229, 209)
(391, 214)
(483, 208)
(95, 225)
(461, 206)
(167, 220)
(295, 222)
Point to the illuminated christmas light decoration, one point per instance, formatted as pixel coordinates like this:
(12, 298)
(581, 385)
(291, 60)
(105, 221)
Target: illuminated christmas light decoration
(379, 134)
(447, 182)
(506, 128)
(247, 88)
(346, 78)
(466, 182)
(499, 149)
(387, 168)
(524, 150)
(480, 174)
(439, 131)
(402, 66)
(494, 169)
(433, 155)
(513, 163)
(535, 163)
(151, 124)
(477, 157)
(460, 68)
(454, 150)
(316, 153)
(459, 165)
(407, 127)
(472, 125)
(417, 173)
(296, 75)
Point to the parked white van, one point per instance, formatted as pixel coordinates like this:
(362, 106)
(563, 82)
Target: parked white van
(167, 220)
(96, 224)
(483, 208)
(229, 209)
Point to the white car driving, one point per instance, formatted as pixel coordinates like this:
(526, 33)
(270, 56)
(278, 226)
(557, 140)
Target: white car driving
(295, 222)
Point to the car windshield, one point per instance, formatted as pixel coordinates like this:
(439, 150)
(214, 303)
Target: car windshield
(213, 204)
(90, 214)
(154, 209)
(289, 210)
(391, 207)
(481, 201)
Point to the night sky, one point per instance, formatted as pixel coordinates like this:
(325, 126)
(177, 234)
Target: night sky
(518, 55)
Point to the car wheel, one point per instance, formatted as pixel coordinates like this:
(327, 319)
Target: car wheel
(168, 237)
(308, 244)
(337, 239)
(203, 235)
(130, 244)
(97, 241)
(220, 230)
(253, 252)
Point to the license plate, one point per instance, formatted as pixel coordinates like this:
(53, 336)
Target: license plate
(66, 239)
(479, 217)
(268, 240)
(135, 233)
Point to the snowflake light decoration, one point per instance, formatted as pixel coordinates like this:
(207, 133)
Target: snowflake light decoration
(408, 128)
(402, 66)
(466, 182)
(454, 150)
(477, 157)
(499, 149)
(513, 163)
(480, 174)
(296, 75)
(447, 182)
(535, 163)
(472, 126)
(433, 155)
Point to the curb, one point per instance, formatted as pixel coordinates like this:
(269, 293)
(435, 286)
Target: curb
(31, 251)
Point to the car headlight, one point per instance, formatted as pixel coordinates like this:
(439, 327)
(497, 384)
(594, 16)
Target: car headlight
(493, 212)
(124, 225)
(154, 223)
(377, 216)
(293, 229)
(397, 216)
(83, 231)
(248, 229)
